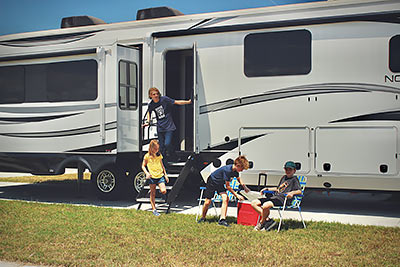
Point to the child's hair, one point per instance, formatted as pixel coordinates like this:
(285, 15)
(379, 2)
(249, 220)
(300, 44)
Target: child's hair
(241, 161)
(152, 146)
(154, 89)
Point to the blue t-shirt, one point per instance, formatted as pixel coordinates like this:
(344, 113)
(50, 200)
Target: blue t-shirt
(223, 174)
(163, 109)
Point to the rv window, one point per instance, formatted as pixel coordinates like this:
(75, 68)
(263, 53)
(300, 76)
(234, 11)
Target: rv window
(127, 85)
(394, 53)
(51, 82)
(12, 88)
(277, 53)
(72, 81)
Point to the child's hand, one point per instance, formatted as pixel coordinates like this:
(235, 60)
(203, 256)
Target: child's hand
(240, 197)
(148, 175)
(246, 189)
(166, 179)
(289, 195)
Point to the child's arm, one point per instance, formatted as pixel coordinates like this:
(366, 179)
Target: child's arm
(229, 188)
(144, 164)
(183, 102)
(268, 189)
(165, 172)
(246, 189)
(293, 193)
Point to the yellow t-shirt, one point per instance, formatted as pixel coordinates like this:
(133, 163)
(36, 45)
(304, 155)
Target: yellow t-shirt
(154, 165)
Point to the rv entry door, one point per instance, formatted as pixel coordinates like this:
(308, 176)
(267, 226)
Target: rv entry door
(128, 110)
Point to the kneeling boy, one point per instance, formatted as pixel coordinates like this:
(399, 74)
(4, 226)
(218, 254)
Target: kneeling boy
(216, 182)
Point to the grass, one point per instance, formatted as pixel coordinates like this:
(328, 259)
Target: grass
(68, 235)
(43, 178)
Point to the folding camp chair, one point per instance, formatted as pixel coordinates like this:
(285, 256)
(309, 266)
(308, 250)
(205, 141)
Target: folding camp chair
(217, 197)
(293, 203)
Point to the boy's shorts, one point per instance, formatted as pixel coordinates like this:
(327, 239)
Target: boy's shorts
(211, 188)
(157, 180)
(273, 199)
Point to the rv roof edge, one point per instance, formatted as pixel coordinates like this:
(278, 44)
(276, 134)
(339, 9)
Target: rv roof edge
(157, 12)
(78, 21)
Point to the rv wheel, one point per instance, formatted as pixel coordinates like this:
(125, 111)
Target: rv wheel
(138, 181)
(108, 183)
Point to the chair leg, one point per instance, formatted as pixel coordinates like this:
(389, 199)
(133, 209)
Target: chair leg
(280, 220)
(281, 215)
(304, 224)
(215, 208)
(199, 209)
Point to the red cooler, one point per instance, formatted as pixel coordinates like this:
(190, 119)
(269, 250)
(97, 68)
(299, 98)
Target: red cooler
(246, 214)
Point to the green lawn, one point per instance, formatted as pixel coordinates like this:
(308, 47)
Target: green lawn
(68, 235)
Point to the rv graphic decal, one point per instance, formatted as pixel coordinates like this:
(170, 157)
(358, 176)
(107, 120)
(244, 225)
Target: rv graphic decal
(79, 131)
(49, 40)
(312, 89)
(382, 116)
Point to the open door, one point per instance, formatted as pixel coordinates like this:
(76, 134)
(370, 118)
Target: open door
(180, 84)
(129, 93)
(195, 103)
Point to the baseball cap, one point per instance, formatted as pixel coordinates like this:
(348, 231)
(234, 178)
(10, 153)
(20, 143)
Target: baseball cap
(290, 164)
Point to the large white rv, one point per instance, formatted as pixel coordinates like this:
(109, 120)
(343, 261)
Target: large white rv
(317, 83)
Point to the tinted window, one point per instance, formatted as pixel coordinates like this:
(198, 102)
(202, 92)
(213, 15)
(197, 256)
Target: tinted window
(127, 85)
(72, 81)
(52, 82)
(12, 87)
(277, 53)
(394, 54)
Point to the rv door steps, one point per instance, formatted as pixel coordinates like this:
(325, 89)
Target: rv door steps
(177, 173)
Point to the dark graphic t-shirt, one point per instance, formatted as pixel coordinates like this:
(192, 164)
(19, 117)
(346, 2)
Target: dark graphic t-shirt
(222, 175)
(163, 109)
(286, 185)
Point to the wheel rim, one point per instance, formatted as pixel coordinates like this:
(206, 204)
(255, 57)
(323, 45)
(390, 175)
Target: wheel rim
(139, 181)
(106, 181)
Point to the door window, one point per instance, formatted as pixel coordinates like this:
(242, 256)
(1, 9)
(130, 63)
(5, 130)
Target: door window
(128, 85)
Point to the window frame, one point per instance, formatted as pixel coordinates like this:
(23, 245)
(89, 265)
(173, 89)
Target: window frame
(128, 85)
(250, 64)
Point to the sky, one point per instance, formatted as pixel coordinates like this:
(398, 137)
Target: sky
(18, 16)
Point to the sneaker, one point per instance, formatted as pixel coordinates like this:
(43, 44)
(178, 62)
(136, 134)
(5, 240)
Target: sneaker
(155, 213)
(201, 220)
(223, 223)
(269, 224)
(259, 226)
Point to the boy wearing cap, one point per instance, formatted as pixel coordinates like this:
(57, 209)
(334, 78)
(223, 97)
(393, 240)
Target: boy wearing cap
(288, 186)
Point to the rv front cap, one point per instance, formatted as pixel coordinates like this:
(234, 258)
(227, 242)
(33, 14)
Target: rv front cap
(290, 164)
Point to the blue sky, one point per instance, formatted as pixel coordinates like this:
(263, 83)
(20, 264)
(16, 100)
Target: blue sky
(34, 15)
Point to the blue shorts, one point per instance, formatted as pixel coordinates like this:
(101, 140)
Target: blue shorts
(157, 180)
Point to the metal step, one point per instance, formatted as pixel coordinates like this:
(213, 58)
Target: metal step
(168, 187)
(177, 164)
(147, 200)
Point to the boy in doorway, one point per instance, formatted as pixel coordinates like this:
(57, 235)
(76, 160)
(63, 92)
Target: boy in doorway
(216, 182)
(162, 105)
(288, 186)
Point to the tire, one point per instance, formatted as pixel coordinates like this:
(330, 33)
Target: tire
(139, 181)
(109, 183)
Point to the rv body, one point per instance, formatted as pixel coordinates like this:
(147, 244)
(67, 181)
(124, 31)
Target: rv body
(315, 83)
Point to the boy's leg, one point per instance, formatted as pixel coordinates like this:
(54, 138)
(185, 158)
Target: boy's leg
(224, 207)
(266, 210)
(161, 141)
(206, 204)
(256, 205)
(153, 196)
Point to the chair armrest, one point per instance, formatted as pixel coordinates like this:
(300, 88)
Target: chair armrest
(267, 191)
